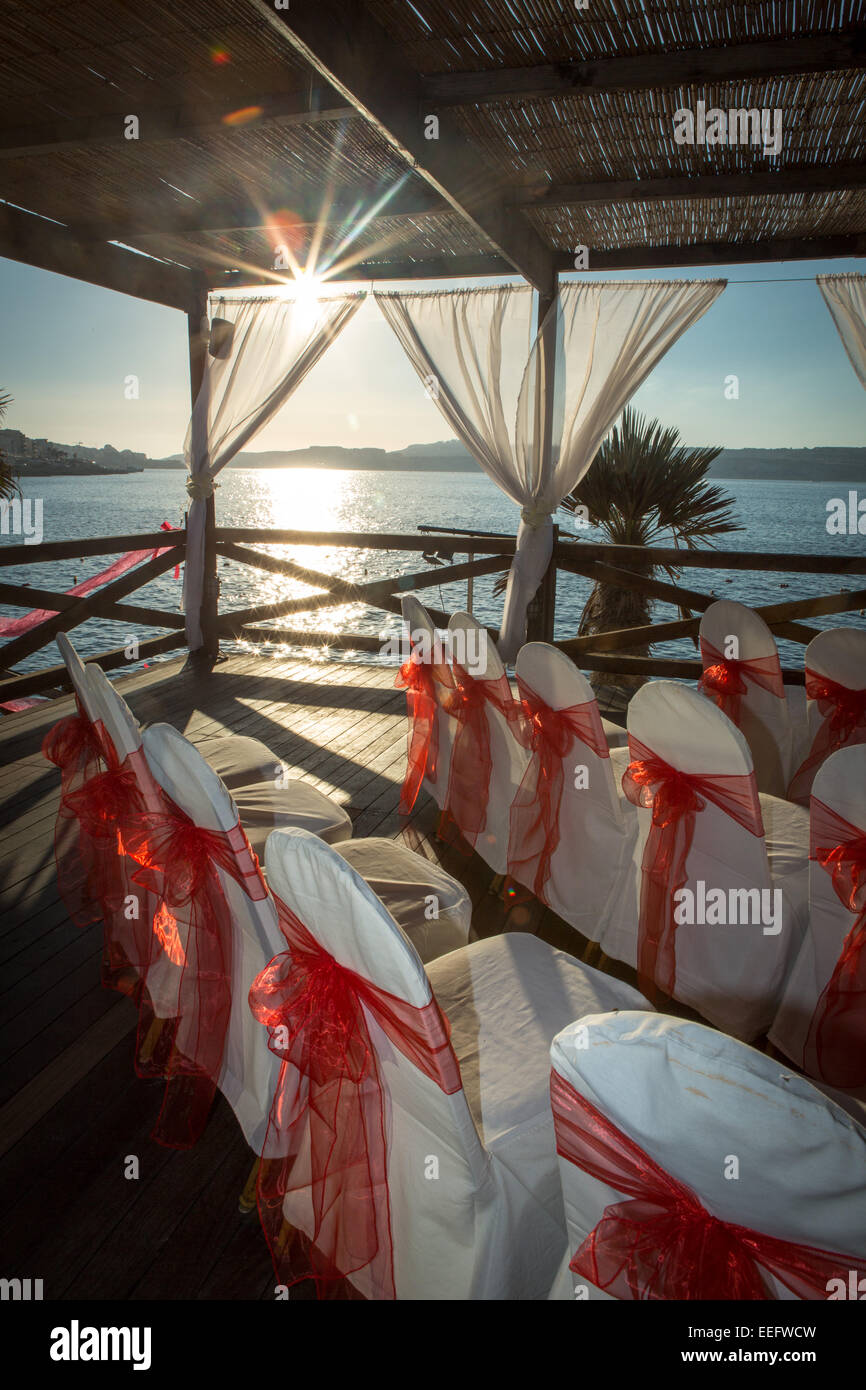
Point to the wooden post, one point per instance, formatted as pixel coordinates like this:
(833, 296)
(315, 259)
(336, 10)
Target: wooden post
(209, 612)
(542, 608)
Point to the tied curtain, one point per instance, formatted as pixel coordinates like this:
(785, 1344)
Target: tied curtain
(273, 345)
(477, 355)
(845, 297)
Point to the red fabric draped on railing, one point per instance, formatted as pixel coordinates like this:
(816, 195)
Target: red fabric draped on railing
(835, 1047)
(178, 863)
(417, 679)
(675, 798)
(661, 1242)
(471, 759)
(329, 1102)
(844, 722)
(725, 678)
(14, 627)
(548, 734)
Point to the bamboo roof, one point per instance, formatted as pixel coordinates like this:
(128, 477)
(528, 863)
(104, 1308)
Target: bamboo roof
(308, 128)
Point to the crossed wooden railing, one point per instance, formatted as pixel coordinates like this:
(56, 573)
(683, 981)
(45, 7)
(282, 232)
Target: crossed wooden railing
(488, 553)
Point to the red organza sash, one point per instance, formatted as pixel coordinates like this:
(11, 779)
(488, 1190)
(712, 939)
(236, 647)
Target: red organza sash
(725, 679)
(661, 1242)
(675, 799)
(835, 1047)
(417, 679)
(844, 723)
(178, 863)
(329, 1102)
(75, 747)
(534, 825)
(471, 759)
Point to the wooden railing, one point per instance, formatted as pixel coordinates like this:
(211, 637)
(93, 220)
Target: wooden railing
(489, 553)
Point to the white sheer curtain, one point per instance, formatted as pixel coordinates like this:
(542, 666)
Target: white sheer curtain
(475, 352)
(274, 343)
(845, 297)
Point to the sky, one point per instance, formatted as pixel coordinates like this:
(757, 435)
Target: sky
(68, 347)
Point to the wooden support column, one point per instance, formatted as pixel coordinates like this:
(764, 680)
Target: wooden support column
(542, 609)
(209, 612)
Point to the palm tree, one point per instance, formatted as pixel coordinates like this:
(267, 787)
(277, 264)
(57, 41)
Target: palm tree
(8, 486)
(644, 487)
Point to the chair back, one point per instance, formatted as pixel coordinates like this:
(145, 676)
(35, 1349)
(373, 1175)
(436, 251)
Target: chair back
(747, 1137)
(820, 1024)
(423, 633)
(473, 650)
(586, 866)
(249, 1067)
(750, 690)
(731, 971)
(77, 674)
(432, 1222)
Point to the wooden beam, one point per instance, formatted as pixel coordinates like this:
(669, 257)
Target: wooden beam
(691, 67)
(22, 596)
(52, 246)
(615, 640)
(308, 209)
(672, 593)
(351, 540)
(429, 268)
(339, 42)
(722, 253)
(52, 677)
(11, 555)
(308, 107)
(709, 559)
(809, 178)
(659, 666)
(84, 608)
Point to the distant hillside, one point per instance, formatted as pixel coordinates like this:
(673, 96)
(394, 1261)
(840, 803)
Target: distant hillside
(823, 464)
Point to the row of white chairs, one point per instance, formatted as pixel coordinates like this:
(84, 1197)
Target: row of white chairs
(739, 975)
(479, 1204)
(786, 728)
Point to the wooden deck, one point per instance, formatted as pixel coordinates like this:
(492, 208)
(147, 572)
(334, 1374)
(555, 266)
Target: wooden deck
(71, 1107)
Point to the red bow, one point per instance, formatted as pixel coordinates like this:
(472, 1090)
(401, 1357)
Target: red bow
(471, 759)
(835, 1047)
(844, 712)
(548, 734)
(662, 1243)
(725, 679)
(179, 862)
(417, 679)
(329, 1104)
(675, 798)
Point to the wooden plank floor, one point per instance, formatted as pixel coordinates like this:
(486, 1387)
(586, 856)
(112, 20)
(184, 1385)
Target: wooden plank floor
(72, 1111)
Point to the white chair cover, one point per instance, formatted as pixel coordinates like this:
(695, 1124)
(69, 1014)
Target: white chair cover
(78, 675)
(249, 1070)
(696, 1101)
(430, 906)
(596, 836)
(509, 759)
(841, 785)
(732, 974)
(490, 1225)
(839, 654)
(263, 805)
(240, 761)
(764, 718)
(422, 630)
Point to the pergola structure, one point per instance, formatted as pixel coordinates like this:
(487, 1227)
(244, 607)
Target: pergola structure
(259, 122)
(166, 150)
